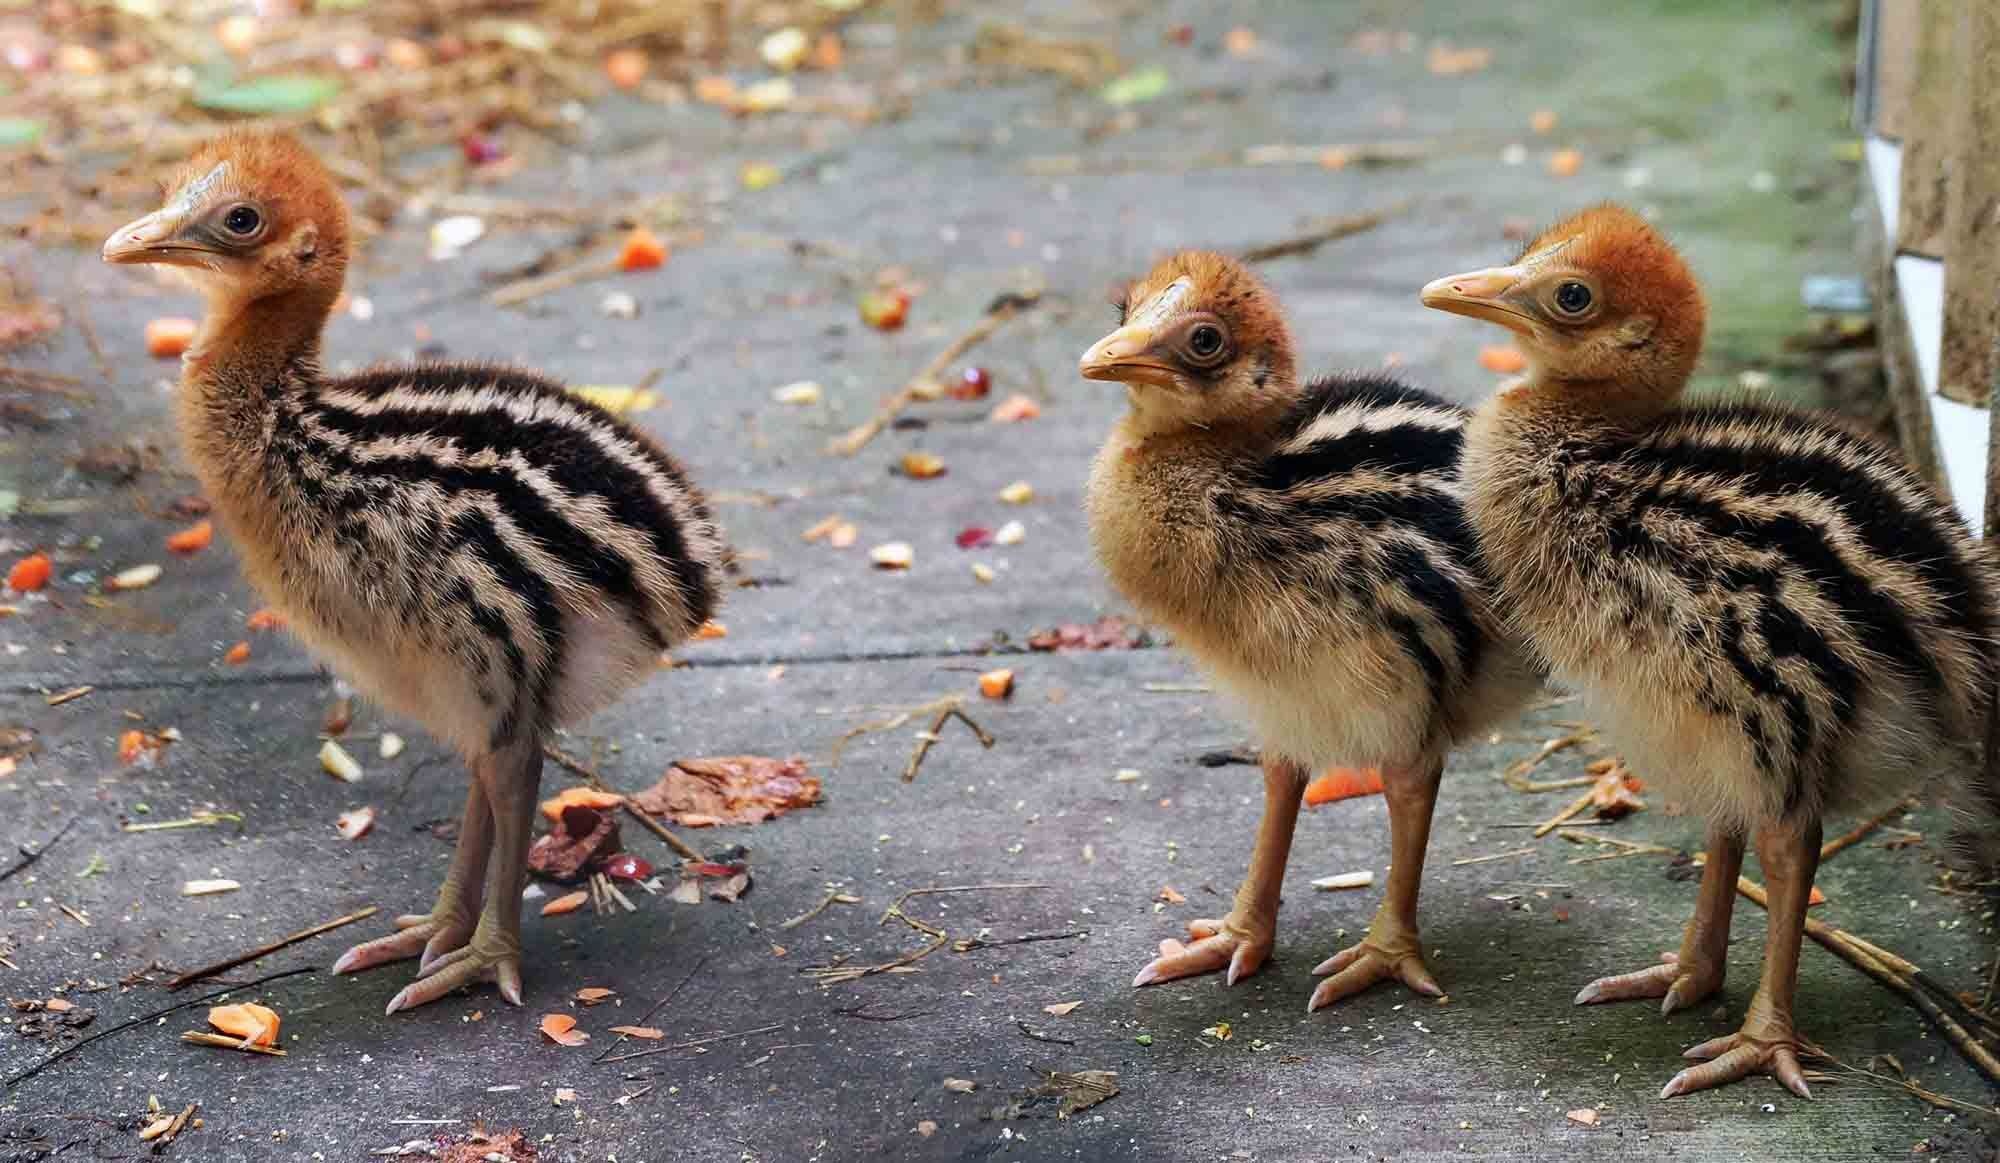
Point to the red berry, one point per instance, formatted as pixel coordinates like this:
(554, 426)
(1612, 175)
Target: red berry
(626, 866)
(885, 310)
(973, 384)
(482, 149)
(974, 537)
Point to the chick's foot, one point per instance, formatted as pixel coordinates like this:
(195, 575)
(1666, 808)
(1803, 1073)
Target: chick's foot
(489, 956)
(1678, 984)
(1760, 1047)
(418, 935)
(1386, 954)
(1237, 944)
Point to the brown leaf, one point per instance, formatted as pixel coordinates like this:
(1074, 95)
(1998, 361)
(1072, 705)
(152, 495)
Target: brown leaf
(730, 789)
(1061, 1008)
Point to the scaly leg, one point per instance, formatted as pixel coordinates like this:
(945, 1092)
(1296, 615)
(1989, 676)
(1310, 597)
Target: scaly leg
(1242, 940)
(1768, 1043)
(1695, 972)
(512, 778)
(449, 923)
(1391, 948)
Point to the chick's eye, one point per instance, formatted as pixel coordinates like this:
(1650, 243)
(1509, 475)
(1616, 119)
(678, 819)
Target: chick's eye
(242, 220)
(1205, 340)
(1573, 298)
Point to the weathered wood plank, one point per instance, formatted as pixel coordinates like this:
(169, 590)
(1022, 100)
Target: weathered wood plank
(1927, 131)
(1972, 210)
(1895, 64)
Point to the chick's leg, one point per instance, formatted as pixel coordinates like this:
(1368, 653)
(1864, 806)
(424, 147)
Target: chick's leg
(1242, 940)
(450, 921)
(1768, 1043)
(1684, 978)
(512, 778)
(1391, 949)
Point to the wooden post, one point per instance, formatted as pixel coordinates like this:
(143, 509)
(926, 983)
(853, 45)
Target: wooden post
(1972, 209)
(1893, 64)
(1926, 131)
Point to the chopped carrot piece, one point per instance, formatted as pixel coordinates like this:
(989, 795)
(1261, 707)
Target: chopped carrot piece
(30, 573)
(626, 67)
(1565, 163)
(249, 1021)
(130, 745)
(712, 629)
(264, 619)
(588, 797)
(643, 251)
(565, 904)
(169, 336)
(590, 995)
(1816, 898)
(192, 539)
(238, 654)
(1502, 359)
(997, 684)
(561, 1028)
(1342, 783)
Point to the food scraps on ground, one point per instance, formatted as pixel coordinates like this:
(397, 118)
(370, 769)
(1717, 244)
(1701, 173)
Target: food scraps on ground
(567, 903)
(997, 684)
(1341, 783)
(1108, 632)
(1015, 409)
(30, 573)
(338, 763)
(591, 995)
(642, 251)
(251, 1022)
(581, 837)
(561, 1029)
(355, 824)
(1342, 880)
(208, 887)
(729, 789)
(192, 539)
(579, 795)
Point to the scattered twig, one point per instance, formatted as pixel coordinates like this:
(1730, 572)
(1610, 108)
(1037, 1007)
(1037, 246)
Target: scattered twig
(829, 975)
(968, 944)
(1861, 830)
(577, 766)
(1176, 688)
(928, 738)
(192, 976)
(1002, 309)
(657, 1007)
(69, 696)
(1038, 1036)
(1624, 848)
(1940, 1101)
(832, 898)
(198, 820)
(204, 1038)
(860, 1012)
(1576, 807)
(1516, 774)
(143, 1019)
(31, 380)
(73, 915)
(30, 855)
(693, 1042)
(1321, 231)
(1489, 858)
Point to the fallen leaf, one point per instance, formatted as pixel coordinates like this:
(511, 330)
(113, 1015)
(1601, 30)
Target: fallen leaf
(561, 1028)
(646, 1032)
(567, 903)
(729, 789)
(1341, 783)
(253, 1023)
(1061, 1009)
(590, 995)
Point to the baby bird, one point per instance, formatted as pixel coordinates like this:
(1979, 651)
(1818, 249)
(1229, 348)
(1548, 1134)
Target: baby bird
(1771, 615)
(1305, 542)
(468, 544)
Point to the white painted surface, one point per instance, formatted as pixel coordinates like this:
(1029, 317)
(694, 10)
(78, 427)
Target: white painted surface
(1960, 430)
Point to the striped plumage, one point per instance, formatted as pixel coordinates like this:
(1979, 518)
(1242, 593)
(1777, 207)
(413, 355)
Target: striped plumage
(1770, 615)
(469, 544)
(1306, 543)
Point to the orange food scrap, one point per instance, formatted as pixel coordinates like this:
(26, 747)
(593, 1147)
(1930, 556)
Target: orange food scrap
(1015, 409)
(646, 1032)
(1543, 121)
(643, 251)
(192, 539)
(561, 1028)
(1171, 896)
(237, 655)
(626, 67)
(1816, 898)
(828, 52)
(590, 995)
(253, 1023)
(1502, 359)
(169, 336)
(715, 90)
(588, 797)
(30, 573)
(1343, 783)
(131, 745)
(712, 629)
(1446, 61)
(1565, 163)
(997, 684)
(565, 904)
(264, 619)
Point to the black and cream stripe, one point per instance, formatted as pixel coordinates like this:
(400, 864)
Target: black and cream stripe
(1359, 508)
(487, 508)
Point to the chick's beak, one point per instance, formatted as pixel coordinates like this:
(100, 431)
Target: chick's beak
(154, 238)
(1490, 294)
(1125, 356)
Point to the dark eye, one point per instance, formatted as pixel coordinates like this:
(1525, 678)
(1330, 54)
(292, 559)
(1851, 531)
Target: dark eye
(243, 220)
(1205, 340)
(1572, 298)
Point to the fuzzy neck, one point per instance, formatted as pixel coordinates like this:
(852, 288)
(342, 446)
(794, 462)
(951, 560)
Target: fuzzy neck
(1157, 416)
(247, 355)
(1623, 405)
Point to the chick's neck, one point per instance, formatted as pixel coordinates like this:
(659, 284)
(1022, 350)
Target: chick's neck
(247, 353)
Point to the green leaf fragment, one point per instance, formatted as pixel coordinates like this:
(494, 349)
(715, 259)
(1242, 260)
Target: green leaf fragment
(263, 96)
(1144, 85)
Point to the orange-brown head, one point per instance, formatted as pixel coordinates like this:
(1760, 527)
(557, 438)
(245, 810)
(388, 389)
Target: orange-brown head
(1201, 342)
(1598, 298)
(250, 216)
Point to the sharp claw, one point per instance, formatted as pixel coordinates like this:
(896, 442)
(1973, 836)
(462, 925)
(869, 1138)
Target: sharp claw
(1672, 1001)
(1147, 976)
(1588, 994)
(1673, 1086)
(508, 976)
(345, 962)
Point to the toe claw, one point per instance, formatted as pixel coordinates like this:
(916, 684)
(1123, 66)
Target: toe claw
(1147, 976)
(1589, 994)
